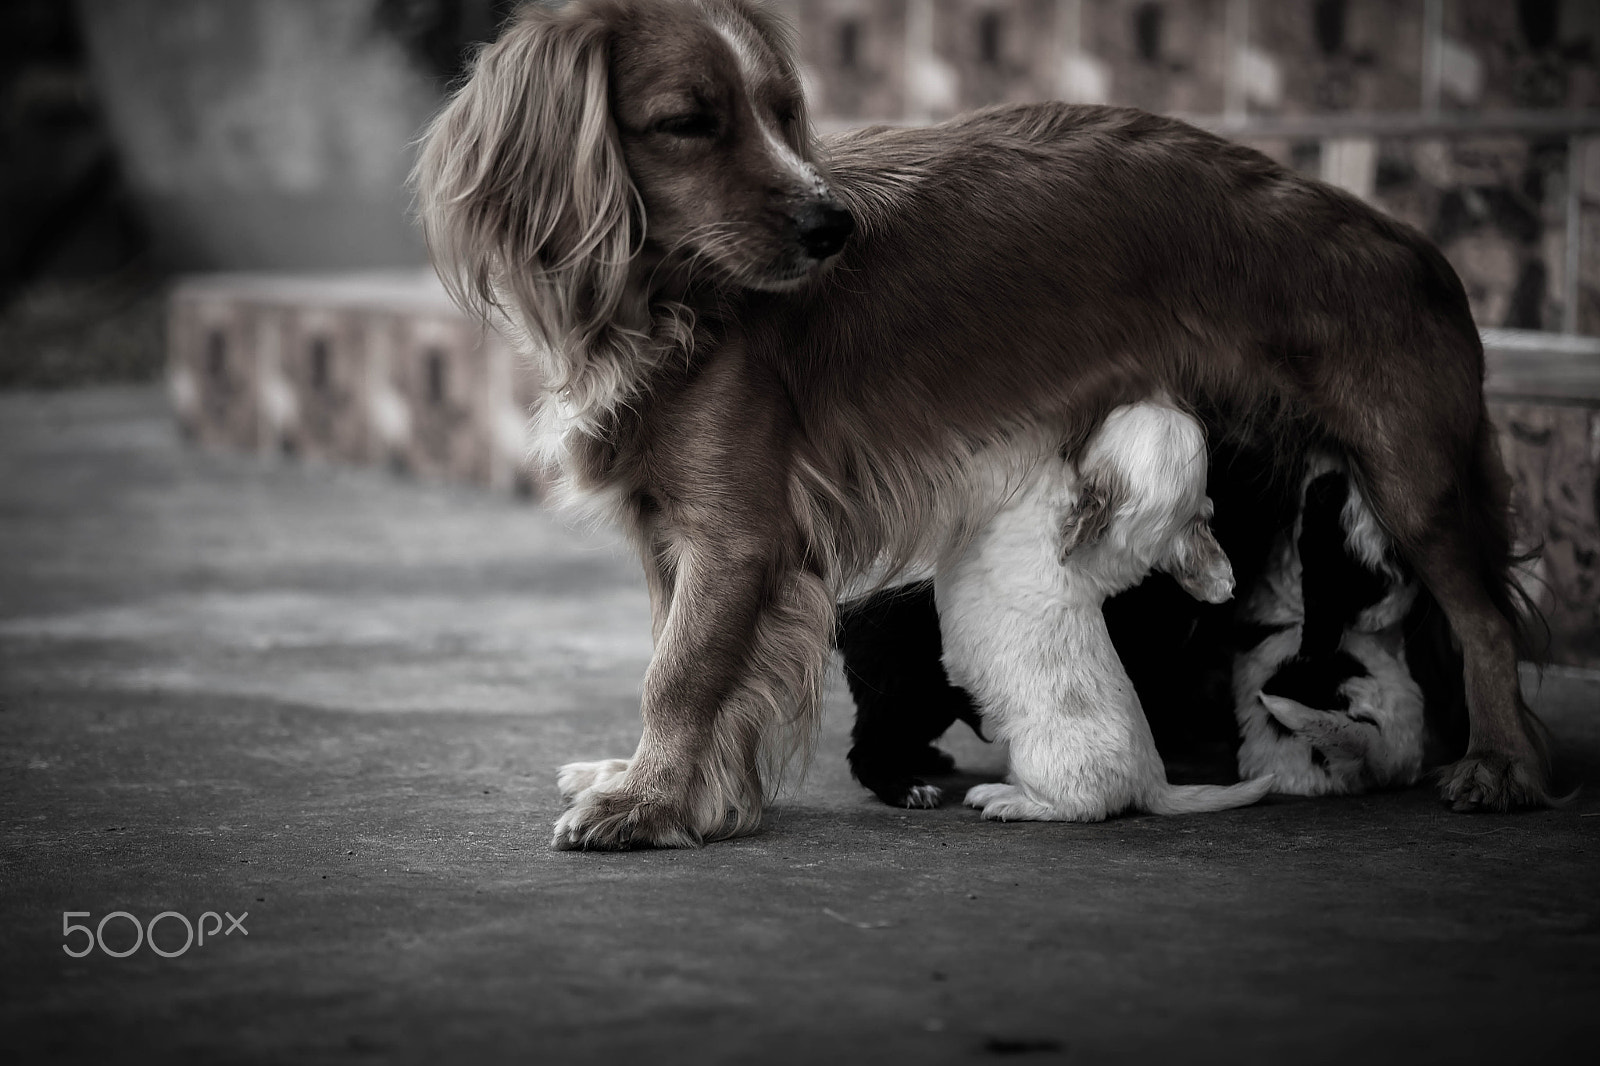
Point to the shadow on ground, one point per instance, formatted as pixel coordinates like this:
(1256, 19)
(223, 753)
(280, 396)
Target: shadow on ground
(335, 701)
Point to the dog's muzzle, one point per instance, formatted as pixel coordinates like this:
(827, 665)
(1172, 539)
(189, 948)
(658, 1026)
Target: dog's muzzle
(823, 227)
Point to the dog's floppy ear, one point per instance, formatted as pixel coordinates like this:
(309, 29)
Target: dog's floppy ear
(523, 191)
(1087, 520)
(1199, 564)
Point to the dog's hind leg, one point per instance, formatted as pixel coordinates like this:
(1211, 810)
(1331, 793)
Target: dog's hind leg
(1448, 509)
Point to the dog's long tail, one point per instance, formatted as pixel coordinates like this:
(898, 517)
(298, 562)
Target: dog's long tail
(1197, 799)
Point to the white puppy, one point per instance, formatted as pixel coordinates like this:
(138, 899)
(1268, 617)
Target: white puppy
(1020, 613)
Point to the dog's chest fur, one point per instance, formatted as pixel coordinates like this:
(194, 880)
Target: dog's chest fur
(714, 448)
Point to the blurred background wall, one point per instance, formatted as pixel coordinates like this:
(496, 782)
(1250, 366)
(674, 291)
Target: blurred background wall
(1471, 119)
(144, 138)
(274, 134)
(260, 134)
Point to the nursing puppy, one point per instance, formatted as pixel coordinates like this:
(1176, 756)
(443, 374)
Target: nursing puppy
(1023, 629)
(780, 365)
(889, 644)
(1325, 699)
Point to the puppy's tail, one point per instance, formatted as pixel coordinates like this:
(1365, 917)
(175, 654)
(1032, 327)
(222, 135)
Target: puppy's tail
(1197, 799)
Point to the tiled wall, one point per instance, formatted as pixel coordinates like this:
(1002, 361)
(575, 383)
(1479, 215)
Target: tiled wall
(1553, 452)
(369, 369)
(1202, 57)
(1515, 204)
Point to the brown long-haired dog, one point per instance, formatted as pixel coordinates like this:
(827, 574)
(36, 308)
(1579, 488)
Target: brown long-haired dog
(783, 365)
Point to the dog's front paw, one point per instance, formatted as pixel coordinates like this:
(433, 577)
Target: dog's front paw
(1008, 803)
(615, 818)
(924, 796)
(1495, 781)
(575, 777)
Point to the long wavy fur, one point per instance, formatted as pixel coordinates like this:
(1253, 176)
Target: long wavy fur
(528, 208)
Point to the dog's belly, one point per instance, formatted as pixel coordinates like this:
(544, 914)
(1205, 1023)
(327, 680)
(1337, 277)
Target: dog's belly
(966, 488)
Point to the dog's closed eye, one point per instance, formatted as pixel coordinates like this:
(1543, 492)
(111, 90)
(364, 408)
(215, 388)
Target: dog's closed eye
(787, 114)
(701, 125)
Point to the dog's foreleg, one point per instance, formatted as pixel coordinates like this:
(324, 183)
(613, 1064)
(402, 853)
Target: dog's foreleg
(738, 649)
(668, 796)
(659, 574)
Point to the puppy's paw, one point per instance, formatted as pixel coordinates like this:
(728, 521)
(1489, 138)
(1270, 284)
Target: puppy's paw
(980, 795)
(575, 777)
(1495, 781)
(1008, 803)
(895, 775)
(616, 819)
(901, 790)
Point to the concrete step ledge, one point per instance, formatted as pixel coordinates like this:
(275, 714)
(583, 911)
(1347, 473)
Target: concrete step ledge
(381, 368)
(375, 368)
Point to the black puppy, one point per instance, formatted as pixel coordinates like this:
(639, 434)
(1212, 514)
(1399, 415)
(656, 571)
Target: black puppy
(904, 702)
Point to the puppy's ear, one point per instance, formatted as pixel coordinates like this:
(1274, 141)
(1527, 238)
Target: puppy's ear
(1200, 565)
(523, 191)
(1087, 520)
(1347, 744)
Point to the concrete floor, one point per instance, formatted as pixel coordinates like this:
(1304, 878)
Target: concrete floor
(335, 701)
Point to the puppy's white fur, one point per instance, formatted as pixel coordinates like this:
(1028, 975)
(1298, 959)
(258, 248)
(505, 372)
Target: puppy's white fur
(1023, 629)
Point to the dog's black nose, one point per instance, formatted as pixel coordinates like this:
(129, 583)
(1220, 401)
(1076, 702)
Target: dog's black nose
(823, 228)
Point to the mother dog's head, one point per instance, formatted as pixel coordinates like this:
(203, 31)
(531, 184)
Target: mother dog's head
(601, 151)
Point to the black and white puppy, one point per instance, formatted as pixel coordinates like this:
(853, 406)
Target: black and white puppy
(1324, 698)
